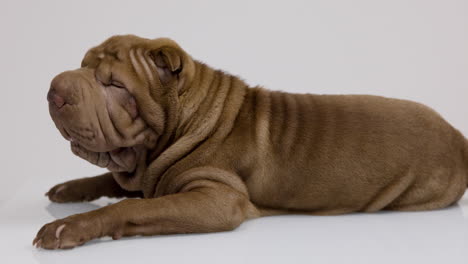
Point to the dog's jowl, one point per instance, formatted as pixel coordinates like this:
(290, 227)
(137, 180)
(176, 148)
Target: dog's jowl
(197, 150)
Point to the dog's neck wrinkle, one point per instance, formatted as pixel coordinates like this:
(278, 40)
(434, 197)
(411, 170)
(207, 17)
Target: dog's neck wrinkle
(179, 113)
(170, 126)
(213, 106)
(211, 95)
(196, 100)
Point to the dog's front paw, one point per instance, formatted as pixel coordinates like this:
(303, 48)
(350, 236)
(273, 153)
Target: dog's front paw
(72, 191)
(69, 232)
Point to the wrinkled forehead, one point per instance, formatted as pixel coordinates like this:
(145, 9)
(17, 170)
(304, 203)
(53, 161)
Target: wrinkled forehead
(115, 47)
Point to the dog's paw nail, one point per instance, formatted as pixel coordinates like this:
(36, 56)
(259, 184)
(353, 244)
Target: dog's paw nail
(59, 230)
(38, 243)
(61, 188)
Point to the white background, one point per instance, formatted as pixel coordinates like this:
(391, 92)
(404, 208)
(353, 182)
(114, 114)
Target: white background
(408, 49)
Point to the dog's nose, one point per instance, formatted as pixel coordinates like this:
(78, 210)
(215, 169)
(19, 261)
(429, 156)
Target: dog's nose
(62, 89)
(54, 97)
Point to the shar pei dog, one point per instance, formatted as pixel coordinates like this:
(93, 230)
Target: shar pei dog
(197, 150)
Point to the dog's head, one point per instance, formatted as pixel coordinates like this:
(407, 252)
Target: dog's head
(115, 106)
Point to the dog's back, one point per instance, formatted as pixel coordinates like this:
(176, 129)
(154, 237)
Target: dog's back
(342, 153)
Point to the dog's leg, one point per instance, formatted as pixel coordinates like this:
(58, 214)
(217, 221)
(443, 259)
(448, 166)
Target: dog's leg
(208, 207)
(88, 189)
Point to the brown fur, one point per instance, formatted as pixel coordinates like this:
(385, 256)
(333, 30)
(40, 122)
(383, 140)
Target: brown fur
(209, 152)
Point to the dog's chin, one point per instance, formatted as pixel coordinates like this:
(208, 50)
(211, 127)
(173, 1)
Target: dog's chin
(124, 158)
(120, 159)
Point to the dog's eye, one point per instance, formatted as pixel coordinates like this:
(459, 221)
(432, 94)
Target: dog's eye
(117, 84)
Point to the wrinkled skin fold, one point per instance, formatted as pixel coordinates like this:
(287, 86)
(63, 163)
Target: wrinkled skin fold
(197, 150)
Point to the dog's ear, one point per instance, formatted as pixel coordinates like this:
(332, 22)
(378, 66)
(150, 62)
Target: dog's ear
(174, 66)
(168, 62)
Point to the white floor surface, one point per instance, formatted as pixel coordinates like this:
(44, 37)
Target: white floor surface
(386, 237)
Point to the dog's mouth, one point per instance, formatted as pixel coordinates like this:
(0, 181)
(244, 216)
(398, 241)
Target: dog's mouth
(123, 159)
(117, 159)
